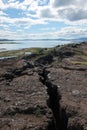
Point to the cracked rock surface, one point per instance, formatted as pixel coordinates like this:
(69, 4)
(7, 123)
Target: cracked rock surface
(22, 98)
(46, 93)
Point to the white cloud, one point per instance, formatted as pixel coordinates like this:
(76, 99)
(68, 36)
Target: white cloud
(56, 10)
(70, 12)
(23, 23)
(66, 32)
(2, 13)
(2, 4)
(72, 32)
(4, 26)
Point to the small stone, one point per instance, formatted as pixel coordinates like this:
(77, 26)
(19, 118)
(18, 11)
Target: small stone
(7, 100)
(75, 92)
(58, 86)
(49, 76)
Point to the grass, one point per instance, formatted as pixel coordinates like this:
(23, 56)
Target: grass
(11, 53)
(22, 52)
(81, 58)
(79, 62)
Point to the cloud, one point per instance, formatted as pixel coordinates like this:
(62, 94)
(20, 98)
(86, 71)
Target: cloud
(69, 10)
(2, 4)
(73, 32)
(57, 10)
(23, 23)
(64, 32)
(46, 13)
(67, 3)
(2, 13)
(4, 26)
(11, 1)
(24, 14)
(73, 14)
(58, 3)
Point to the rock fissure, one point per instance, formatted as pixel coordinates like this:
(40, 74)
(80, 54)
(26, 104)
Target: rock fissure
(53, 102)
(30, 89)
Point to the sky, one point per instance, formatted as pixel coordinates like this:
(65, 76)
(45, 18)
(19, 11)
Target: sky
(42, 19)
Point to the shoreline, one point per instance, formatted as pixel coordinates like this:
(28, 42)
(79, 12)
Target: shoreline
(27, 51)
(8, 46)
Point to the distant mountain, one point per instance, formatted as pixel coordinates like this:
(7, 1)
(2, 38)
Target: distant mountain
(57, 39)
(6, 40)
(82, 39)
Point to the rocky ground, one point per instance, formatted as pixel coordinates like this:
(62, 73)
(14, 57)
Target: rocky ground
(46, 91)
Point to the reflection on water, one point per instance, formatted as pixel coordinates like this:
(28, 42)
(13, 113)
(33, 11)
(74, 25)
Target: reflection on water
(28, 44)
(7, 57)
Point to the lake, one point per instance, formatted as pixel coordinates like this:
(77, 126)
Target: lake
(17, 45)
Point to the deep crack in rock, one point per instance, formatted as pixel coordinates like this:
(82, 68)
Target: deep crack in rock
(59, 114)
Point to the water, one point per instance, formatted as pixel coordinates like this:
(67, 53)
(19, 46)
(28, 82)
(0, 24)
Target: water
(7, 57)
(28, 44)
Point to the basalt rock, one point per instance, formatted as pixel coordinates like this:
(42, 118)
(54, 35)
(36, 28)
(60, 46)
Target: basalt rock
(23, 100)
(48, 59)
(43, 93)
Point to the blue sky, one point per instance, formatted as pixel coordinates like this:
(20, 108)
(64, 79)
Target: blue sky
(39, 19)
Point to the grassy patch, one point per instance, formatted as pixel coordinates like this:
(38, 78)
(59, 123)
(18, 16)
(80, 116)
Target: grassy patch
(79, 62)
(23, 52)
(11, 53)
(82, 57)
